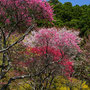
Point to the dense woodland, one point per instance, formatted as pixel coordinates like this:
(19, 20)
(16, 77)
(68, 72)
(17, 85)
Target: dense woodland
(77, 17)
(44, 45)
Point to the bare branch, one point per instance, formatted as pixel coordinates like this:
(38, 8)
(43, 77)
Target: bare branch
(20, 39)
(14, 78)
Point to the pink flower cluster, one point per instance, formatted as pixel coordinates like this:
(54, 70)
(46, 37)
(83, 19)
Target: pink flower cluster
(54, 55)
(25, 10)
(66, 41)
(56, 43)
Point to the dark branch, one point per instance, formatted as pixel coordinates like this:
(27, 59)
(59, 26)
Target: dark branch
(20, 39)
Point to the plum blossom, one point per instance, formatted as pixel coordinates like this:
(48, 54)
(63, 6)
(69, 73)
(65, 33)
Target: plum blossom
(25, 10)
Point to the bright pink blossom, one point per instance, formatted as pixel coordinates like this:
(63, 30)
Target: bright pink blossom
(25, 10)
(7, 21)
(54, 55)
(66, 41)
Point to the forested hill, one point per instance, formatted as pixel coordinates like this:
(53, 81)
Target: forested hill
(77, 17)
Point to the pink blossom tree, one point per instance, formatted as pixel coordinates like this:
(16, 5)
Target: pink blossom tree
(66, 41)
(18, 15)
(52, 52)
(23, 11)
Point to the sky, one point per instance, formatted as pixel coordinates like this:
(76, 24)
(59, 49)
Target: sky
(78, 2)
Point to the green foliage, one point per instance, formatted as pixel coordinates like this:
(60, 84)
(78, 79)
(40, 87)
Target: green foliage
(61, 83)
(58, 23)
(73, 23)
(54, 1)
(77, 17)
(41, 23)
